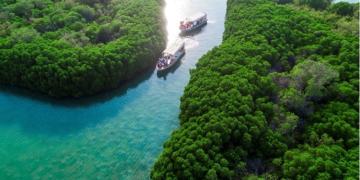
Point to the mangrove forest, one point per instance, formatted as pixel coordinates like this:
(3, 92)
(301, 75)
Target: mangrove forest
(278, 99)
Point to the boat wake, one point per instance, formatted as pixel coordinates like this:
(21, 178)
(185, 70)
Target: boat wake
(191, 43)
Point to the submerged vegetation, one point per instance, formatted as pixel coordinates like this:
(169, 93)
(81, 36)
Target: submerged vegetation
(77, 47)
(278, 99)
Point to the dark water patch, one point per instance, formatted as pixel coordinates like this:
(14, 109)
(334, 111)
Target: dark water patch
(59, 118)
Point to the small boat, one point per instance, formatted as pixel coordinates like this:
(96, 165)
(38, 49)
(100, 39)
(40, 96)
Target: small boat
(171, 55)
(193, 23)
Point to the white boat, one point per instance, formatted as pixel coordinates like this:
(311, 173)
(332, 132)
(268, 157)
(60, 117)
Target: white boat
(171, 55)
(192, 23)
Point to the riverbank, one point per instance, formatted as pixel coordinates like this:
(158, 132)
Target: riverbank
(71, 49)
(278, 99)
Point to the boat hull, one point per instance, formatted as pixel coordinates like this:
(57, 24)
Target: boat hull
(188, 31)
(177, 59)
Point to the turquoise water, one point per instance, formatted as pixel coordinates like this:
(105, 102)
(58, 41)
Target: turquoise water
(115, 135)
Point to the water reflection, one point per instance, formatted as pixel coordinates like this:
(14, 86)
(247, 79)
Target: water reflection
(195, 32)
(171, 70)
(40, 114)
(82, 102)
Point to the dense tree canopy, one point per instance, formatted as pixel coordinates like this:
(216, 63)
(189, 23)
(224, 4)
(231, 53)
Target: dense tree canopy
(344, 8)
(77, 47)
(277, 99)
(316, 4)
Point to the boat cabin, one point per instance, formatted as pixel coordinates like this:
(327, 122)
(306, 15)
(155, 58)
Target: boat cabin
(193, 21)
(171, 55)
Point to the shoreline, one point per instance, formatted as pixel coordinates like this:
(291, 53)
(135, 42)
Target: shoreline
(95, 80)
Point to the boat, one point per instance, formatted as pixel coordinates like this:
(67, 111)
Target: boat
(171, 55)
(193, 23)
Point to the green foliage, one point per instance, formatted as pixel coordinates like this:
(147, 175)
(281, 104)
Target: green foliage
(23, 8)
(93, 2)
(321, 162)
(316, 4)
(77, 47)
(307, 83)
(284, 1)
(277, 99)
(344, 16)
(86, 12)
(337, 120)
(343, 8)
(23, 35)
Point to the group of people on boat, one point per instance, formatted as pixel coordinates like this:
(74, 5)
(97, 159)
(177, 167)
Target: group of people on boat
(164, 61)
(184, 25)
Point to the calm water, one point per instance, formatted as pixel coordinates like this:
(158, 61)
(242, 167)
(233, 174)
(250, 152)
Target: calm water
(115, 135)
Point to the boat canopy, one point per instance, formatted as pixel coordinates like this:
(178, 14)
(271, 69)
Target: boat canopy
(196, 16)
(174, 47)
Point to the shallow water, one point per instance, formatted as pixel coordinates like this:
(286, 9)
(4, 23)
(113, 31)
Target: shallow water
(115, 135)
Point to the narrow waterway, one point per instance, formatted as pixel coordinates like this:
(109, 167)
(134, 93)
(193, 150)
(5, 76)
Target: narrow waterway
(115, 135)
